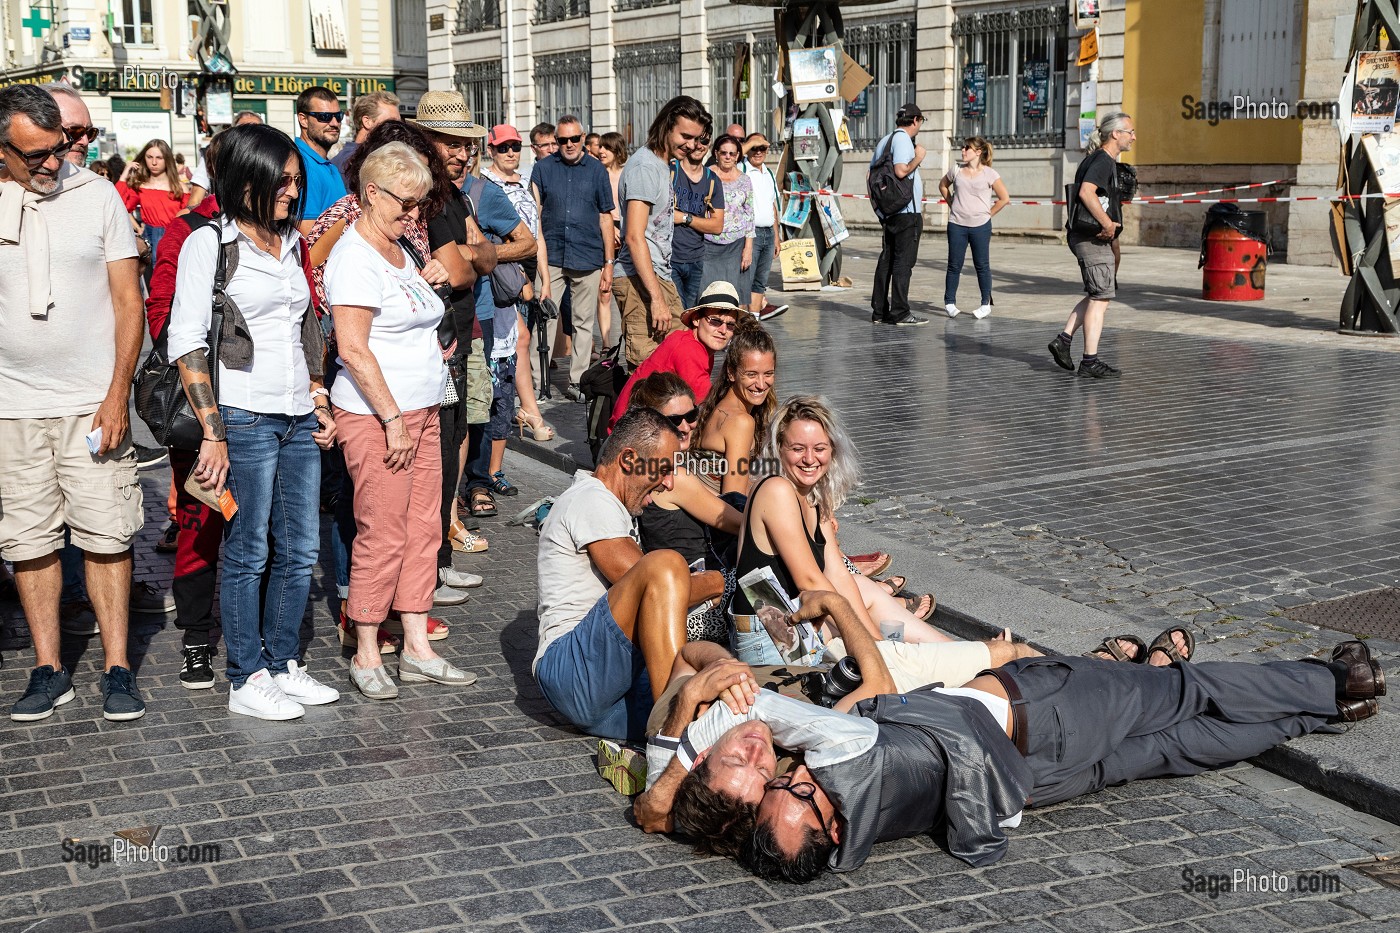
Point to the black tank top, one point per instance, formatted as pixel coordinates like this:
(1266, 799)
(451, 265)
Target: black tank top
(674, 529)
(751, 557)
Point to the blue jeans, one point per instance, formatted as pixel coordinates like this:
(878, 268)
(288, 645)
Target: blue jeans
(275, 477)
(958, 239)
(687, 277)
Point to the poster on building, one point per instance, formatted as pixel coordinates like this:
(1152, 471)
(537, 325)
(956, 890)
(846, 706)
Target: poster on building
(1086, 14)
(1088, 111)
(974, 89)
(799, 204)
(815, 76)
(806, 138)
(833, 224)
(1374, 93)
(860, 106)
(1088, 48)
(1035, 89)
(135, 129)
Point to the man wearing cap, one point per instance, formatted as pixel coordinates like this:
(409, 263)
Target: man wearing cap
(899, 247)
(576, 223)
(318, 118)
(690, 353)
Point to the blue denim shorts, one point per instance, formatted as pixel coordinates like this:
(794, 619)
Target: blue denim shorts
(596, 678)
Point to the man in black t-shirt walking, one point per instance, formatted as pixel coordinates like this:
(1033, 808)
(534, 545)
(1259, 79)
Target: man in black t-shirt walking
(1096, 186)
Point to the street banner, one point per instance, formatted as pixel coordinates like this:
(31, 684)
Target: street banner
(1035, 89)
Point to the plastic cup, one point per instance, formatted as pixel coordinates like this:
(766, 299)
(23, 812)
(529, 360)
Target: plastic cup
(892, 631)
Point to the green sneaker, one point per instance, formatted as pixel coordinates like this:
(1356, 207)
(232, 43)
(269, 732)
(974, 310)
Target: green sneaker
(622, 766)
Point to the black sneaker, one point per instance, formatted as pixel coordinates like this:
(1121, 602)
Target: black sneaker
(1060, 351)
(150, 456)
(120, 701)
(1097, 369)
(909, 320)
(47, 688)
(197, 673)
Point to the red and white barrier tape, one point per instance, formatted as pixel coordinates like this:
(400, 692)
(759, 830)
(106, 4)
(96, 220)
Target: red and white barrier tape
(1048, 203)
(1193, 194)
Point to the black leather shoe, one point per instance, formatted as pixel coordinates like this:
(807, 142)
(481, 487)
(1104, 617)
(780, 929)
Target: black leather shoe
(1061, 353)
(1364, 677)
(1356, 710)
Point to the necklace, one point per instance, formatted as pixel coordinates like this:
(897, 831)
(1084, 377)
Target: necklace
(252, 234)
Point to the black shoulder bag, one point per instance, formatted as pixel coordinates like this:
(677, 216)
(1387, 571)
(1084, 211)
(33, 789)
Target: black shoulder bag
(159, 394)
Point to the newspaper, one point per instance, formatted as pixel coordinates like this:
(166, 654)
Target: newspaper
(797, 644)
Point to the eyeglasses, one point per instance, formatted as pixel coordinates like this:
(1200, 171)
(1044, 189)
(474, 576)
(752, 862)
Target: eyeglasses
(36, 160)
(453, 145)
(289, 181)
(802, 790)
(761, 150)
(726, 154)
(720, 323)
(508, 147)
(407, 204)
(82, 133)
(325, 116)
(689, 417)
(568, 140)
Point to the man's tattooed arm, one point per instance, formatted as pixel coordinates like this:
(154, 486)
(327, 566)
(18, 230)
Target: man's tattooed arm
(194, 373)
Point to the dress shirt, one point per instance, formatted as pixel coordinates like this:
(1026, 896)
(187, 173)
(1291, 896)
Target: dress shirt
(572, 200)
(765, 195)
(273, 295)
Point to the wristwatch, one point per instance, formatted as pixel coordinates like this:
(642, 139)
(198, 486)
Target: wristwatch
(688, 219)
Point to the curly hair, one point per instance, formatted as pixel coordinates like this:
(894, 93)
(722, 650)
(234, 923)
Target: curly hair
(718, 823)
(749, 337)
(396, 131)
(762, 855)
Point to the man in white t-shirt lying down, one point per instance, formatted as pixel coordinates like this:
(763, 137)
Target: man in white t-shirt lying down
(965, 761)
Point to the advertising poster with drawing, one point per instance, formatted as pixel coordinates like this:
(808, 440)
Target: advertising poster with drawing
(833, 224)
(1374, 93)
(797, 644)
(1383, 152)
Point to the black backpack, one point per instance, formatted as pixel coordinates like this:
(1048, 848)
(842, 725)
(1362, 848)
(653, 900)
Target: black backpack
(601, 384)
(889, 193)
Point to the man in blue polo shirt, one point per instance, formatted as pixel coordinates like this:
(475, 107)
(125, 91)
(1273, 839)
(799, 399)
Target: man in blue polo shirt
(576, 224)
(319, 118)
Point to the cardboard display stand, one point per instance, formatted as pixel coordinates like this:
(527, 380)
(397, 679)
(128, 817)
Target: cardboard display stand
(801, 271)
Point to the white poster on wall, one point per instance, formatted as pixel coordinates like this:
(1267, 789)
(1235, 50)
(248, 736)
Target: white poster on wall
(134, 130)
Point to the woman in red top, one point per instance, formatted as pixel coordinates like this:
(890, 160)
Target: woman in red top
(155, 189)
(690, 353)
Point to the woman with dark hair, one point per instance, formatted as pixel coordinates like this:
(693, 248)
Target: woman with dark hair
(262, 432)
(154, 193)
(975, 193)
(729, 253)
(735, 413)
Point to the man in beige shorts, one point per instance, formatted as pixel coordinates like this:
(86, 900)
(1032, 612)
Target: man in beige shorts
(71, 312)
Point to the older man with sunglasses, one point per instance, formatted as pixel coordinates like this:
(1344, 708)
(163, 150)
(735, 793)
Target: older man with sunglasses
(318, 119)
(70, 309)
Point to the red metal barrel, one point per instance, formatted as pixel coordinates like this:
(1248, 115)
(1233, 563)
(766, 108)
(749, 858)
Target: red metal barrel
(1235, 264)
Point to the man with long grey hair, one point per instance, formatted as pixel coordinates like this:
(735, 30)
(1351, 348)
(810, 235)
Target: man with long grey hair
(1096, 186)
(70, 309)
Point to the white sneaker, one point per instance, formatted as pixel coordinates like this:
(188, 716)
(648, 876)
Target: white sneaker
(450, 576)
(982, 311)
(953, 310)
(261, 698)
(303, 688)
(447, 596)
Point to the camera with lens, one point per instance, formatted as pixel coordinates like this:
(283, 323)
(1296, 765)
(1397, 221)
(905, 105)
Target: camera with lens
(825, 688)
(542, 309)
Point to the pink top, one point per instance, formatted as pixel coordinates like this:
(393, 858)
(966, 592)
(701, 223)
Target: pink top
(972, 196)
(681, 353)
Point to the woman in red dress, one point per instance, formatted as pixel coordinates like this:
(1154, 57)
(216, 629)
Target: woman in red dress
(154, 193)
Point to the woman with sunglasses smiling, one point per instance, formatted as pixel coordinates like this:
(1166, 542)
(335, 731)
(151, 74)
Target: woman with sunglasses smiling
(767, 207)
(263, 429)
(690, 352)
(729, 253)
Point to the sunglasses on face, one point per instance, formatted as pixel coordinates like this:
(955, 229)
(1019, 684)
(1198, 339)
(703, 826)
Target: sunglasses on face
(325, 116)
(508, 147)
(689, 417)
(82, 133)
(726, 154)
(760, 150)
(568, 140)
(720, 323)
(407, 204)
(36, 160)
(290, 181)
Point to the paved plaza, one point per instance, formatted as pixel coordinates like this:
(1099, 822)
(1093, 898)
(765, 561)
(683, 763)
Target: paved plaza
(1241, 468)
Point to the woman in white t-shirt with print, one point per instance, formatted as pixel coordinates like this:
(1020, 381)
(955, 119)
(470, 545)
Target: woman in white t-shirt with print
(975, 193)
(386, 400)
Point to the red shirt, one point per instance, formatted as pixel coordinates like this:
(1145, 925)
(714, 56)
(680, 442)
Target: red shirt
(158, 207)
(162, 291)
(681, 353)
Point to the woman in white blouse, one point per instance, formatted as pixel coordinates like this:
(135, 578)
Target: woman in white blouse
(386, 400)
(262, 431)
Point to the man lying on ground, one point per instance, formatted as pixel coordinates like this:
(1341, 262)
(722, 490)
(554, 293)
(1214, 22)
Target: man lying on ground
(1035, 732)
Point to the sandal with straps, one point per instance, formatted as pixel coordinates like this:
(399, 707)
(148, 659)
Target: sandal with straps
(481, 503)
(920, 607)
(1116, 652)
(1165, 644)
(894, 584)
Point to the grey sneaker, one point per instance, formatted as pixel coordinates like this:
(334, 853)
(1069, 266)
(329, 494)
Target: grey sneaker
(447, 596)
(374, 683)
(432, 670)
(450, 576)
(147, 600)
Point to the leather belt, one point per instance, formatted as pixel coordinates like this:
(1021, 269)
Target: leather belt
(1020, 729)
(747, 624)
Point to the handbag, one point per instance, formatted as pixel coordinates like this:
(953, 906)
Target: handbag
(1077, 217)
(158, 392)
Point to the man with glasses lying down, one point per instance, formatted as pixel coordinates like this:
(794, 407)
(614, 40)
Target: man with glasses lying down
(967, 761)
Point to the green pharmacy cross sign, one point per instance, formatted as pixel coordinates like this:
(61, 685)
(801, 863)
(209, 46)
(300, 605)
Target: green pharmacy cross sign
(35, 23)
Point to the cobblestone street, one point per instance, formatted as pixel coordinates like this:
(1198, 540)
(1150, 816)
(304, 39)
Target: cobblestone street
(1239, 469)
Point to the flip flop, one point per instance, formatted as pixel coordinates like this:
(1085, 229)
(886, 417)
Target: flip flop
(1165, 644)
(894, 584)
(1111, 645)
(918, 608)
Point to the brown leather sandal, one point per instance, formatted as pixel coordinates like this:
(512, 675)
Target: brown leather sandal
(1165, 644)
(1115, 651)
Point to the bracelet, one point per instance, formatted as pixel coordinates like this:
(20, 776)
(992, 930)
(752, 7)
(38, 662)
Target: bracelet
(216, 440)
(387, 421)
(324, 408)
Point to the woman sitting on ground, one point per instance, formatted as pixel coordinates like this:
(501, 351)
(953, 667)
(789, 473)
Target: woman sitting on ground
(690, 352)
(789, 527)
(736, 412)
